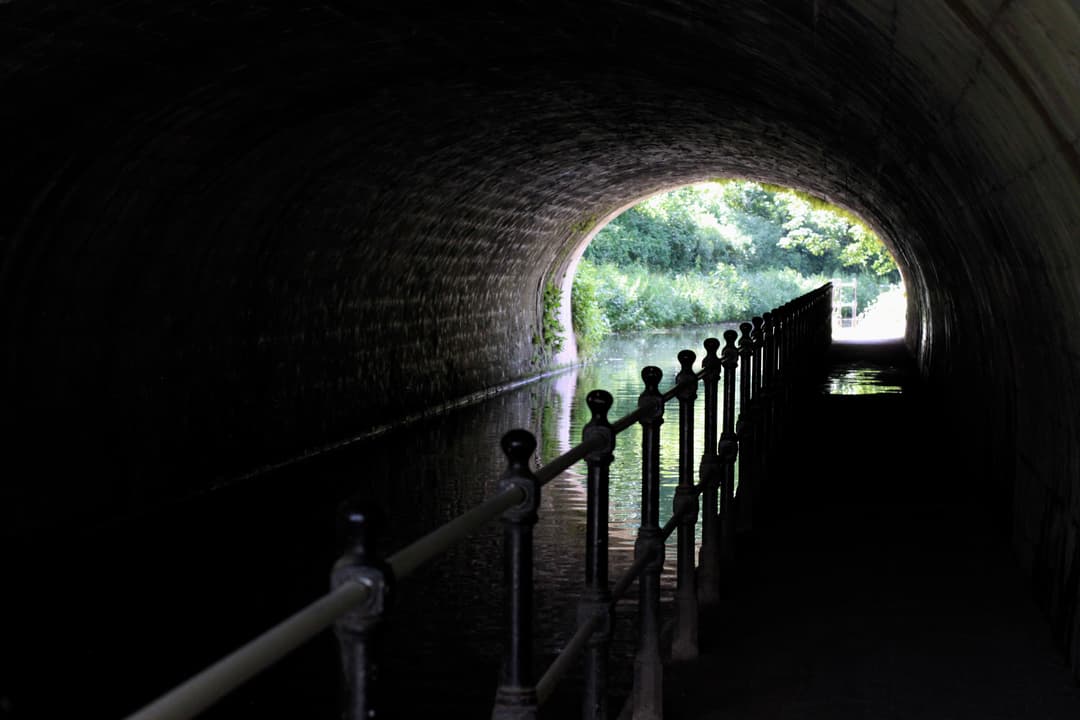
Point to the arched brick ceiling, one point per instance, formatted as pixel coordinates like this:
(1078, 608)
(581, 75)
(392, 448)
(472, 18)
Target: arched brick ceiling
(235, 232)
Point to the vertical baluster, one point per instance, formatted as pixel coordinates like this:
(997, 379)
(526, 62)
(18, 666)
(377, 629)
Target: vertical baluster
(778, 342)
(767, 361)
(758, 458)
(790, 350)
(684, 645)
(797, 348)
(781, 345)
(728, 448)
(768, 392)
(802, 328)
(805, 337)
(757, 335)
(597, 597)
(802, 310)
(827, 322)
(648, 668)
(798, 327)
(516, 696)
(790, 346)
(828, 311)
(709, 559)
(358, 630)
(744, 431)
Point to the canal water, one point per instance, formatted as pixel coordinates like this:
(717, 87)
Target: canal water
(103, 625)
(100, 620)
(445, 635)
(452, 614)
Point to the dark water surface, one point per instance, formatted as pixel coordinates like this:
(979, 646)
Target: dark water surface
(104, 623)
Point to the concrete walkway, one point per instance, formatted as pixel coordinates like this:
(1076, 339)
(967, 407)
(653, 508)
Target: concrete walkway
(877, 584)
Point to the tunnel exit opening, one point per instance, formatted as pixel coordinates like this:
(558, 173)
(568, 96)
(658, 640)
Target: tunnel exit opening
(722, 251)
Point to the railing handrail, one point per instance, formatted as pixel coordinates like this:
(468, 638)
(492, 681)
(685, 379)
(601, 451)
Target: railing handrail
(206, 687)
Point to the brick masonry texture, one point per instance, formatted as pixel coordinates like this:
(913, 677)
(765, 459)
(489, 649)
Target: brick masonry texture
(232, 233)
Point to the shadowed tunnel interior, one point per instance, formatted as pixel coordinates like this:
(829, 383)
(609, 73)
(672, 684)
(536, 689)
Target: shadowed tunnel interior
(235, 233)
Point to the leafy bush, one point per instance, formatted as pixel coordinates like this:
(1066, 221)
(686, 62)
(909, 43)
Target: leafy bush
(719, 252)
(549, 342)
(608, 298)
(591, 326)
(772, 288)
(753, 226)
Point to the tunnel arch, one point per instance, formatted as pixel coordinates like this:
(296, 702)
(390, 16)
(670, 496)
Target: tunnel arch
(233, 235)
(565, 271)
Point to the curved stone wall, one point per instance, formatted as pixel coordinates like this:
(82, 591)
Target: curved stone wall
(236, 233)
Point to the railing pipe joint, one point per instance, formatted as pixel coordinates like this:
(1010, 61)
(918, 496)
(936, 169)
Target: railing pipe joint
(727, 451)
(650, 543)
(357, 628)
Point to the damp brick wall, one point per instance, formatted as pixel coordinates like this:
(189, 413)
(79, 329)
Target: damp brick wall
(235, 233)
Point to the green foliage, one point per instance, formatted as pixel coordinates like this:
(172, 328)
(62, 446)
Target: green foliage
(626, 299)
(591, 325)
(718, 252)
(774, 287)
(752, 226)
(550, 340)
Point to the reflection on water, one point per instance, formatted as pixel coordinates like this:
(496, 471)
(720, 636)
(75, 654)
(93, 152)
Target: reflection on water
(863, 380)
(172, 591)
(454, 609)
(444, 636)
(619, 372)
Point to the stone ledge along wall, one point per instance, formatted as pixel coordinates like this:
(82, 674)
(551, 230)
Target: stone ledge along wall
(235, 233)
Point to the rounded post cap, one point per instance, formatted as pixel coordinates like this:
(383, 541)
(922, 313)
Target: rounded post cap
(711, 345)
(730, 336)
(745, 327)
(757, 320)
(651, 376)
(599, 402)
(359, 523)
(519, 445)
(686, 359)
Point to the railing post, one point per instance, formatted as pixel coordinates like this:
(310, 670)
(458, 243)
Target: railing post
(597, 596)
(744, 430)
(358, 630)
(648, 668)
(768, 392)
(779, 342)
(728, 448)
(758, 336)
(709, 472)
(684, 645)
(516, 697)
(828, 310)
(781, 347)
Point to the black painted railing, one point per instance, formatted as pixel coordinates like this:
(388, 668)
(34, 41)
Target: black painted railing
(775, 352)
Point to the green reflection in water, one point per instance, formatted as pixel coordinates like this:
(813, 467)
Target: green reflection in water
(862, 381)
(620, 374)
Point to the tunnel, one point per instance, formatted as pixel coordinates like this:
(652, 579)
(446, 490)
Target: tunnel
(236, 235)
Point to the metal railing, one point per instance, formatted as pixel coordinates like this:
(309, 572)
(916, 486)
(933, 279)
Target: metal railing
(774, 351)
